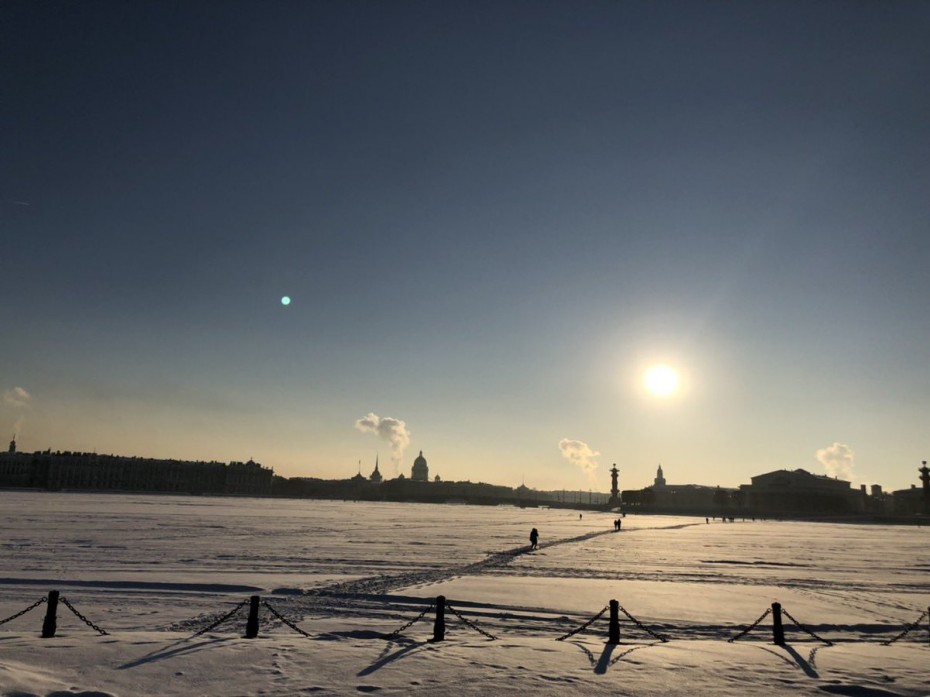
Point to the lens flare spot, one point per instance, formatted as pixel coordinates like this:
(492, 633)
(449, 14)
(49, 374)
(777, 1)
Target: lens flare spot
(286, 300)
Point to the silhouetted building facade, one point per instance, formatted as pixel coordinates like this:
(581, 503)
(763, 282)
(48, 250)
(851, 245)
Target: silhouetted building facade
(801, 492)
(73, 470)
(679, 498)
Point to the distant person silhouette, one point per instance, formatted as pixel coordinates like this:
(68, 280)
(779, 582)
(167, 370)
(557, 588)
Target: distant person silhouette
(534, 539)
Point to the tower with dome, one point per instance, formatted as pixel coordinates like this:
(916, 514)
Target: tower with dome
(420, 472)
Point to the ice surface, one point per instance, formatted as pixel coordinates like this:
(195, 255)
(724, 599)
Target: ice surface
(151, 570)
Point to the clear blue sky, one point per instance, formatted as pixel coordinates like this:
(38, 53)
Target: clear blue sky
(491, 218)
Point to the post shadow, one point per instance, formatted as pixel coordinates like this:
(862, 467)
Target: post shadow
(384, 660)
(802, 664)
(604, 661)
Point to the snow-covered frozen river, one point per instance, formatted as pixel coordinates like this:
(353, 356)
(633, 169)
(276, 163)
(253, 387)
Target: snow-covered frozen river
(153, 570)
(133, 557)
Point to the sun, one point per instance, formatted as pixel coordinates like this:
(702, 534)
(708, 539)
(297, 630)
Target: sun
(661, 380)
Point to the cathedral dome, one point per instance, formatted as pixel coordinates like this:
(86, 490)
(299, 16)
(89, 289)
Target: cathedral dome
(420, 471)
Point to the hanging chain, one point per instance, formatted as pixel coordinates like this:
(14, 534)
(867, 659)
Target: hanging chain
(397, 632)
(646, 629)
(907, 630)
(220, 621)
(805, 629)
(750, 627)
(285, 620)
(83, 619)
(585, 625)
(469, 623)
(23, 612)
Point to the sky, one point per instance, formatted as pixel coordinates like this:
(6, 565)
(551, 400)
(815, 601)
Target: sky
(491, 218)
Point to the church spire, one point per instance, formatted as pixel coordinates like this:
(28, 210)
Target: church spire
(376, 475)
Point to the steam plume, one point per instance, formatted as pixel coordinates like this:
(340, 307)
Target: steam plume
(17, 397)
(580, 453)
(838, 460)
(394, 431)
(20, 400)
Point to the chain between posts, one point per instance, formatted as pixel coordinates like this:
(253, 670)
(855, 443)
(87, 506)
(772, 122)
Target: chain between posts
(805, 629)
(639, 624)
(469, 623)
(585, 625)
(83, 619)
(907, 630)
(750, 627)
(285, 620)
(220, 621)
(412, 622)
(23, 612)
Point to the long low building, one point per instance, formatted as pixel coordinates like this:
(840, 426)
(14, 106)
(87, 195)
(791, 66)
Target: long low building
(68, 470)
(799, 491)
(680, 498)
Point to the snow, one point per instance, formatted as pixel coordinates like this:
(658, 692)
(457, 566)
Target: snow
(153, 570)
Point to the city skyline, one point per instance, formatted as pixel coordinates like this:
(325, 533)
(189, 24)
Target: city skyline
(307, 233)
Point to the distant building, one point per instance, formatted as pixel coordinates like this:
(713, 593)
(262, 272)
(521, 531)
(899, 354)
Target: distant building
(799, 491)
(74, 470)
(925, 479)
(16, 468)
(247, 478)
(420, 472)
(914, 501)
(908, 501)
(691, 498)
(681, 497)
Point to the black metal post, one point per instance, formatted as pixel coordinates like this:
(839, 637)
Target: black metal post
(439, 626)
(778, 631)
(613, 634)
(50, 624)
(251, 625)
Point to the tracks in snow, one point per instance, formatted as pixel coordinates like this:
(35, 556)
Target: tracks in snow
(385, 583)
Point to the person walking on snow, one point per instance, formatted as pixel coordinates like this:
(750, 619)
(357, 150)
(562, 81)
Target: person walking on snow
(534, 539)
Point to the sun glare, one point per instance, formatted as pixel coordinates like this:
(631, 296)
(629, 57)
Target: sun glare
(661, 381)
